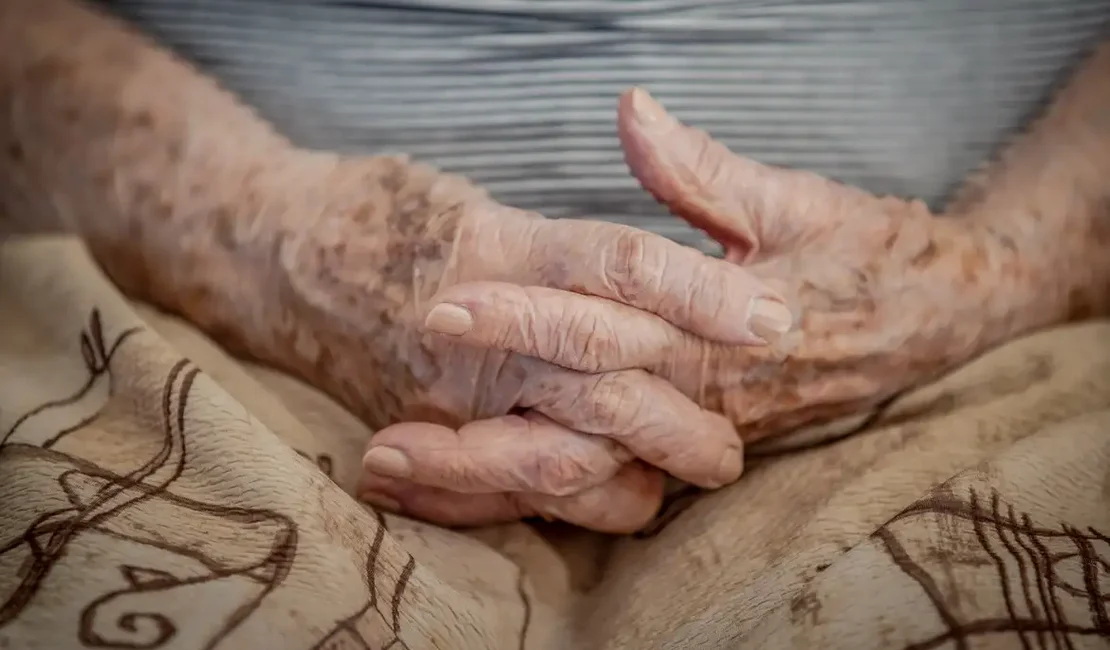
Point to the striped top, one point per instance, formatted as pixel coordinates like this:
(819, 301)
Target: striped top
(898, 96)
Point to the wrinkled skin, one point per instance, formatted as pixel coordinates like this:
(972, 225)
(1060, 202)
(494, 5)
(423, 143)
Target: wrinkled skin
(887, 295)
(585, 403)
(338, 269)
(598, 356)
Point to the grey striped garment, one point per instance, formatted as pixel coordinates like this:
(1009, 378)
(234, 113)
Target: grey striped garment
(902, 96)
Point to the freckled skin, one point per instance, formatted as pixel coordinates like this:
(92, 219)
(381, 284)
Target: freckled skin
(889, 295)
(323, 265)
(292, 257)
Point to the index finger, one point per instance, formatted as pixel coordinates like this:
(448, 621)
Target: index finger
(707, 296)
(623, 504)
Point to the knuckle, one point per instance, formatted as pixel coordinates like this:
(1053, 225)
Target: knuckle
(545, 328)
(614, 402)
(518, 324)
(565, 474)
(709, 293)
(628, 267)
(503, 337)
(594, 344)
(572, 464)
(516, 320)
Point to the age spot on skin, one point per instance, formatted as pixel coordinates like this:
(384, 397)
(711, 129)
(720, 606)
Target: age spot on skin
(926, 256)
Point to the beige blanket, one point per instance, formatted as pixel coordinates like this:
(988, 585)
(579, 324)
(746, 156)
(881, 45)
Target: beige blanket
(155, 493)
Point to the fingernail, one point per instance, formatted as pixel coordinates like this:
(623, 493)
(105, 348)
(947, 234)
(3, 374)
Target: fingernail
(769, 319)
(648, 111)
(732, 464)
(449, 319)
(389, 504)
(387, 461)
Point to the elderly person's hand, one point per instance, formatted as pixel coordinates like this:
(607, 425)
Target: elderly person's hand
(888, 296)
(405, 293)
(521, 366)
(415, 299)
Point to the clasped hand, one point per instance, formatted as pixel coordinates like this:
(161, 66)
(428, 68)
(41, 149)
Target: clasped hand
(564, 331)
(519, 366)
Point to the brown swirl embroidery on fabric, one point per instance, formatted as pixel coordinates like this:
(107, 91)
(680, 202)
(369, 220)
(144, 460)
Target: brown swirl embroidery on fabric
(1026, 557)
(98, 357)
(100, 501)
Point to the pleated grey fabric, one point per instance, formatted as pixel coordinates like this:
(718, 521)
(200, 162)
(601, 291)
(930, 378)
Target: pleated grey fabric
(903, 96)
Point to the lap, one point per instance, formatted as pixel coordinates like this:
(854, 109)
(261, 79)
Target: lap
(162, 494)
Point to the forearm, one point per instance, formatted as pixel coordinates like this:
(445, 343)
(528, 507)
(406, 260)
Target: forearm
(1045, 207)
(155, 166)
(191, 202)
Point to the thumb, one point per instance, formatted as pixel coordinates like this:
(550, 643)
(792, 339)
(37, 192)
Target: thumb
(750, 209)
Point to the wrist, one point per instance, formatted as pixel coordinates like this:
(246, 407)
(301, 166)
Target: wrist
(1044, 205)
(320, 268)
(1051, 262)
(999, 288)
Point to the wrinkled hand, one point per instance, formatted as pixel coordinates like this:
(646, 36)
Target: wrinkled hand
(502, 339)
(888, 296)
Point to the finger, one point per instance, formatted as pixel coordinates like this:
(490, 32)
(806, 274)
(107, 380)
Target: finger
(529, 453)
(623, 504)
(748, 207)
(440, 506)
(647, 415)
(706, 296)
(578, 332)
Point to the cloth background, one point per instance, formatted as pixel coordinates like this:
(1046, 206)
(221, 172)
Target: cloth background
(156, 493)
